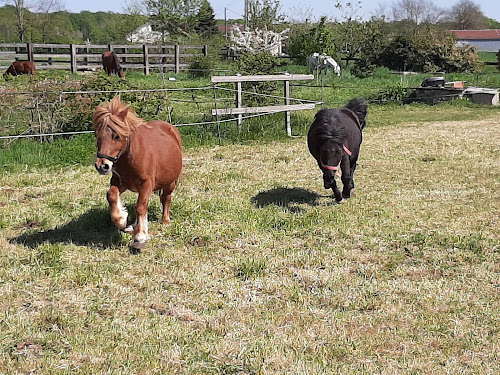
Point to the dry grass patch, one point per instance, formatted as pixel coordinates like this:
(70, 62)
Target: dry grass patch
(261, 272)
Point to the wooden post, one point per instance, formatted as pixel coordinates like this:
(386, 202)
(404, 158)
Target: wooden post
(72, 49)
(239, 102)
(145, 56)
(163, 59)
(86, 59)
(287, 113)
(110, 47)
(205, 50)
(31, 54)
(124, 59)
(177, 58)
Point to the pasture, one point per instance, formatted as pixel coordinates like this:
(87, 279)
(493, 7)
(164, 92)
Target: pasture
(260, 271)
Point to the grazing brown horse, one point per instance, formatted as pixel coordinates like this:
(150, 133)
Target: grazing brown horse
(111, 64)
(334, 139)
(140, 156)
(21, 67)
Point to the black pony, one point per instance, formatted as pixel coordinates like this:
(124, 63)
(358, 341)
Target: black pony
(334, 140)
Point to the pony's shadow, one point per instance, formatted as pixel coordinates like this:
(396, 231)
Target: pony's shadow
(288, 198)
(93, 228)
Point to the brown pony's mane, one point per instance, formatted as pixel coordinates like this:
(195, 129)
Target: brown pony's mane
(116, 115)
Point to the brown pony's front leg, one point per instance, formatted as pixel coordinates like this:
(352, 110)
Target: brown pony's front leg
(166, 198)
(140, 228)
(118, 212)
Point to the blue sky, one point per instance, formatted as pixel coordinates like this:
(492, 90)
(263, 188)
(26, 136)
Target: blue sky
(293, 8)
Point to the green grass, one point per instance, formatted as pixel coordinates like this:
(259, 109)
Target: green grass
(261, 272)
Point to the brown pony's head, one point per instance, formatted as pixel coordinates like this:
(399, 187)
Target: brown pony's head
(113, 123)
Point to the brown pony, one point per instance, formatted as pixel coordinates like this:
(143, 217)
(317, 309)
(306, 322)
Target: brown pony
(111, 64)
(142, 157)
(21, 67)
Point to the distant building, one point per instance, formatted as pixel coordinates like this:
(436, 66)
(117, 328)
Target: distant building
(145, 34)
(484, 40)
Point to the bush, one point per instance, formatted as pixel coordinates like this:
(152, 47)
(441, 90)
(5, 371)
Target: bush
(79, 107)
(426, 50)
(305, 40)
(201, 66)
(261, 63)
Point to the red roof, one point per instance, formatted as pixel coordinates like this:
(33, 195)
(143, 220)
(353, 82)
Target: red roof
(477, 34)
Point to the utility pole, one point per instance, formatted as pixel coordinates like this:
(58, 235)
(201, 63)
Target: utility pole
(245, 16)
(225, 23)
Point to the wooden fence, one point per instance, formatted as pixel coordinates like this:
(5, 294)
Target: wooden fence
(84, 57)
(286, 108)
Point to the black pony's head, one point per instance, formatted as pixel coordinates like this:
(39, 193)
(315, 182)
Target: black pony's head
(360, 108)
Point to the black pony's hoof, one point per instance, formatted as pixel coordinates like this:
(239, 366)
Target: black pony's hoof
(348, 194)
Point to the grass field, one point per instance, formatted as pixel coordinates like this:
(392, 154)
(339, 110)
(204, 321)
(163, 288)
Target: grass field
(261, 273)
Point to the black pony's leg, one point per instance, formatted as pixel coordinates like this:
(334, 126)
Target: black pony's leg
(347, 174)
(349, 181)
(330, 183)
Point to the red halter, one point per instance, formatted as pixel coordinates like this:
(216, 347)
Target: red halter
(330, 168)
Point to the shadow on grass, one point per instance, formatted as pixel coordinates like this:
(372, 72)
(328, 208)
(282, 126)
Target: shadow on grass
(93, 228)
(288, 198)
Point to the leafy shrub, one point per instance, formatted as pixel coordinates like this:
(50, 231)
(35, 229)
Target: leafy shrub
(201, 66)
(397, 94)
(95, 90)
(260, 63)
(427, 50)
(305, 40)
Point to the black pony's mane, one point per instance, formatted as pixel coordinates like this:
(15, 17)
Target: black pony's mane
(331, 129)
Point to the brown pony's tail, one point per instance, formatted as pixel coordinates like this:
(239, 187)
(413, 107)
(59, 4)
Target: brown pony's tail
(360, 108)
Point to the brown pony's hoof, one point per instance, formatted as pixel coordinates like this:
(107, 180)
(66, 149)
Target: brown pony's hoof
(137, 246)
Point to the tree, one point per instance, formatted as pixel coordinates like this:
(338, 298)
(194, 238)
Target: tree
(206, 24)
(417, 11)
(466, 15)
(20, 6)
(263, 14)
(44, 10)
(172, 16)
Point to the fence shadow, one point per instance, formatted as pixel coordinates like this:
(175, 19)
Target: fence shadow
(289, 198)
(93, 228)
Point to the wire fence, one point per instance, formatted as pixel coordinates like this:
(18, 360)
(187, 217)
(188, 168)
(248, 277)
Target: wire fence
(47, 114)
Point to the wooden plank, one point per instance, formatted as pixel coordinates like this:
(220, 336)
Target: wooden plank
(12, 45)
(40, 45)
(262, 78)
(51, 55)
(270, 109)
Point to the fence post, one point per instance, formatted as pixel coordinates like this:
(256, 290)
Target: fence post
(205, 50)
(124, 58)
(287, 113)
(239, 102)
(163, 59)
(86, 59)
(146, 59)
(31, 54)
(72, 52)
(110, 47)
(176, 58)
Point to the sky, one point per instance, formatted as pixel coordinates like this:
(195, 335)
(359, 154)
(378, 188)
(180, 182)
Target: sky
(294, 9)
